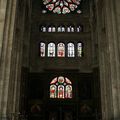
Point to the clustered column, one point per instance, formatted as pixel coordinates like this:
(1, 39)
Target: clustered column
(10, 60)
(109, 61)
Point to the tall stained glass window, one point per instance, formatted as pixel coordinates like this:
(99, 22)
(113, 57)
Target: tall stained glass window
(79, 28)
(42, 49)
(51, 50)
(62, 6)
(61, 87)
(71, 50)
(80, 49)
(61, 50)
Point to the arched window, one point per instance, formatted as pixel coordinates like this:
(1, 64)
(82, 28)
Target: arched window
(72, 28)
(43, 29)
(63, 28)
(59, 29)
(80, 49)
(42, 49)
(68, 29)
(61, 87)
(61, 50)
(79, 28)
(51, 50)
(49, 29)
(71, 50)
(53, 29)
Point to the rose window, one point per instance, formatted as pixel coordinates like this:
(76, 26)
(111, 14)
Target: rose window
(62, 6)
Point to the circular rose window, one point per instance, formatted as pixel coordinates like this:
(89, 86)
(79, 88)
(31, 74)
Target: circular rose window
(61, 6)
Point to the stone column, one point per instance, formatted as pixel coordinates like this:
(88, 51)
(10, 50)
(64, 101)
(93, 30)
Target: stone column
(3, 7)
(13, 31)
(7, 27)
(109, 58)
(117, 13)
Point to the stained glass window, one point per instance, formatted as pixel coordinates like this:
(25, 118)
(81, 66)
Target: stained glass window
(61, 87)
(49, 29)
(61, 28)
(42, 49)
(61, 50)
(71, 50)
(53, 29)
(80, 49)
(61, 6)
(79, 29)
(51, 50)
(70, 29)
(43, 29)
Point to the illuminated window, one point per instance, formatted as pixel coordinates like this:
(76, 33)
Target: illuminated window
(43, 29)
(53, 29)
(79, 28)
(51, 50)
(61, 29)
(61, 50)
(61, 6)
(42, 49)
(80, 49)
(70, 29)
(71, 50)
(61, 87)
(49, 29)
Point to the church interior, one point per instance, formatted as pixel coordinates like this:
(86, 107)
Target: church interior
(59, 60)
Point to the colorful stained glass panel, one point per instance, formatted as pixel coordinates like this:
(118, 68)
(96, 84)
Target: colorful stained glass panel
(61, 6)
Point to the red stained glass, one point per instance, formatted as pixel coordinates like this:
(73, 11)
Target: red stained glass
(61, 87)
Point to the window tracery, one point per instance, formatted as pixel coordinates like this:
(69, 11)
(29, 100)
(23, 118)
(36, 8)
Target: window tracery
(61, 87)
(62, 6)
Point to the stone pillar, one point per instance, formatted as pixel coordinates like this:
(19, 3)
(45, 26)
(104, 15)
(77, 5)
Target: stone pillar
(11, 44)
(3, 6)
(109, 57)
(7, 29)
(117, 13)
